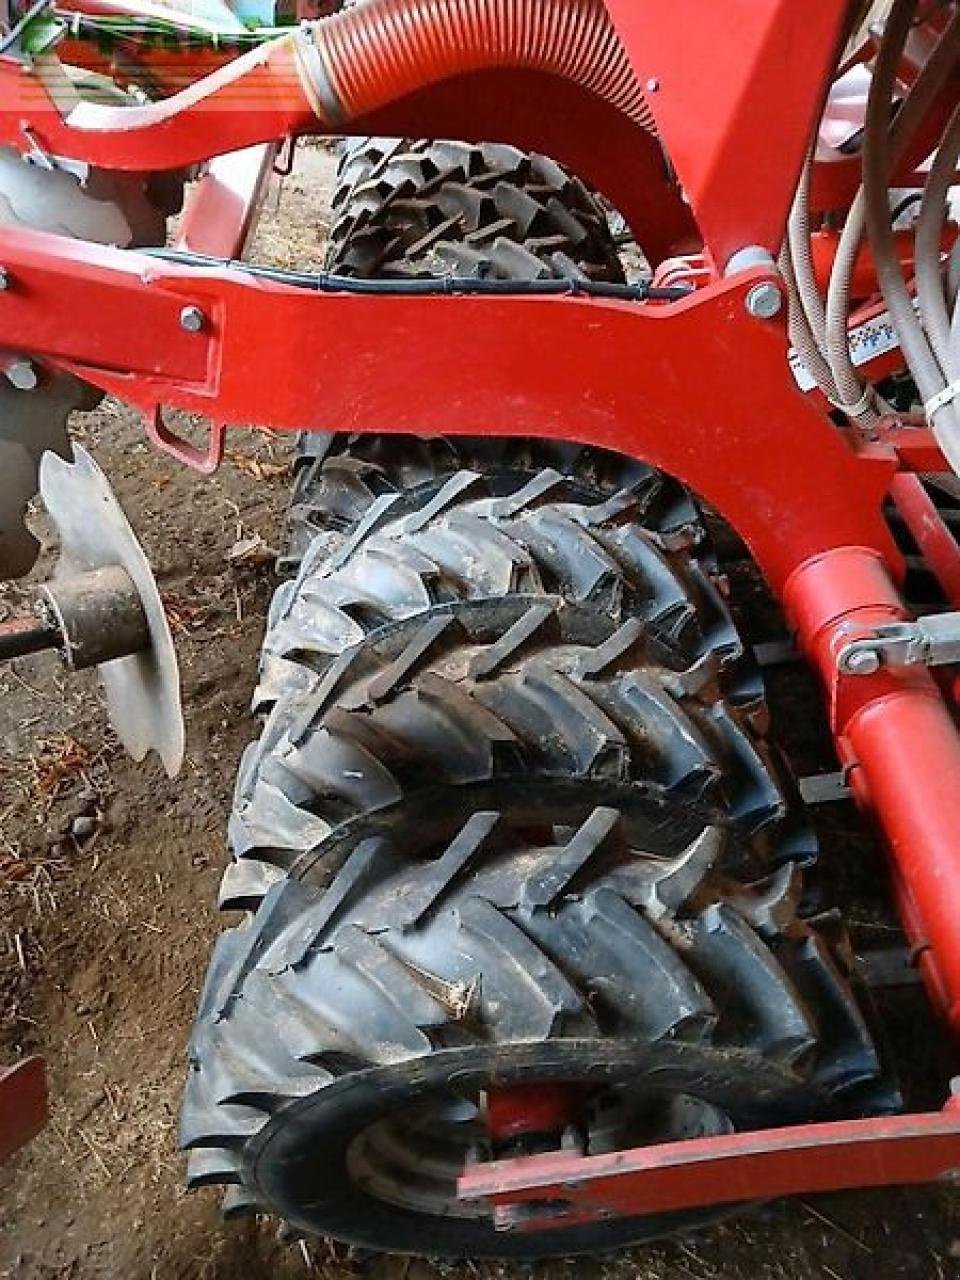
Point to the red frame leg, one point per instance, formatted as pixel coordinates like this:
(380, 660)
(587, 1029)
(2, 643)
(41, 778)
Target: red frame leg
(23, 1104)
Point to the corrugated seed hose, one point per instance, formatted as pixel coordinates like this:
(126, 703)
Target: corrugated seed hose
(374, 54)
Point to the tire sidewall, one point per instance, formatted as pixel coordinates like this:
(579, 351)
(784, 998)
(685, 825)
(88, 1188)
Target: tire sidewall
(299, 1162)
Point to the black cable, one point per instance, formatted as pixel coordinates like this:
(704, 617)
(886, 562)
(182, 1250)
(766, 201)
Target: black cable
(444, 286)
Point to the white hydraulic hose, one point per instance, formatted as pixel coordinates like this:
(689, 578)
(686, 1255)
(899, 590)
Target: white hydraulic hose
(856, 400)
(930, 378)
(798, 238)
(860, 403)
(934, 310)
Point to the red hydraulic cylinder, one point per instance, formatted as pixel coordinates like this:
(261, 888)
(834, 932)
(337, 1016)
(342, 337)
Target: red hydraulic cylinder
(898, 739)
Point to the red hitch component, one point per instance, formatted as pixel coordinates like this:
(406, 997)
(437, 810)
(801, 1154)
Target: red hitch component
(560, 1190)
(23, 1104)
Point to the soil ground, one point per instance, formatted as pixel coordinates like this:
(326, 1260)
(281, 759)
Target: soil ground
(106, 924)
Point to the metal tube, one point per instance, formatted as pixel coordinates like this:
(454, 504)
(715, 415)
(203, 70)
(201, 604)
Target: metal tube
(895, 734)
(32, 634)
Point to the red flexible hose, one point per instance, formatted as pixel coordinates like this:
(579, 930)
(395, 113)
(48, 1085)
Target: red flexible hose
(383, 50)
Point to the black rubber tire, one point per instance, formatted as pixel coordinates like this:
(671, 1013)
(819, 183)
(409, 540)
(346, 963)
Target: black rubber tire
(510, 733)
(491, 598)
(514, 707)
(505, 961)
(408, 209)
(338, 478)
(620, 539)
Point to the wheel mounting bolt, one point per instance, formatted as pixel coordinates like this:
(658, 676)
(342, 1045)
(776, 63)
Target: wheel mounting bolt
(192, 319)
(764, 301)
(4, 279)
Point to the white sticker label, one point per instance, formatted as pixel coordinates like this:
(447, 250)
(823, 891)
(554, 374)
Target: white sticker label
(867, 341)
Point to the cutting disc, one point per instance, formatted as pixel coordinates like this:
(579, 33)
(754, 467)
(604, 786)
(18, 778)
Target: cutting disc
(143, 690)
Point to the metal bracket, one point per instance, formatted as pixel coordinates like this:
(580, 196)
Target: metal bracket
(933, 641)
(204, 460)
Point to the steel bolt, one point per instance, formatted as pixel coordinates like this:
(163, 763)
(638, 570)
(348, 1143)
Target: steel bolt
(863, 662)
(764, 301)
(192, 319)
(4, 278)
(653, 84)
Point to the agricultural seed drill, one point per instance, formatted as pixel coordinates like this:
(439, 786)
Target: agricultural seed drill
(525, 964)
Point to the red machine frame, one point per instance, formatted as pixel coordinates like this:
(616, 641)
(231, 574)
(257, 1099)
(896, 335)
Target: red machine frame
(735, 97)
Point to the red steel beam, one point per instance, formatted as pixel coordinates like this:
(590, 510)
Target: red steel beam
(731, 86)
(560, 1190)
(563, 367)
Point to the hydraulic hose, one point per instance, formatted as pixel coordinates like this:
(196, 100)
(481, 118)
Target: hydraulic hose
(905, 123)
(858, 402)
(801, 331)
(931, 380)
(930, 281)
(822, 337)
(376, 53)
(798, 238)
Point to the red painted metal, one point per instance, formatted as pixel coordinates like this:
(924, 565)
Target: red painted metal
(523, 1110)
(163, 66)
(260, 99)
(724, 115)
(864, 277)
(914, 445)
(257, 98)
(567, 367)
(23, 1104)
(221, 213)
(900, 745)
(935, 542)
(560, 1190)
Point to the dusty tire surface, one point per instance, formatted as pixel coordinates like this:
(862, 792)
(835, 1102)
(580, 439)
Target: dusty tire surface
(512, 817)
(407, 209)
(339, 1035)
